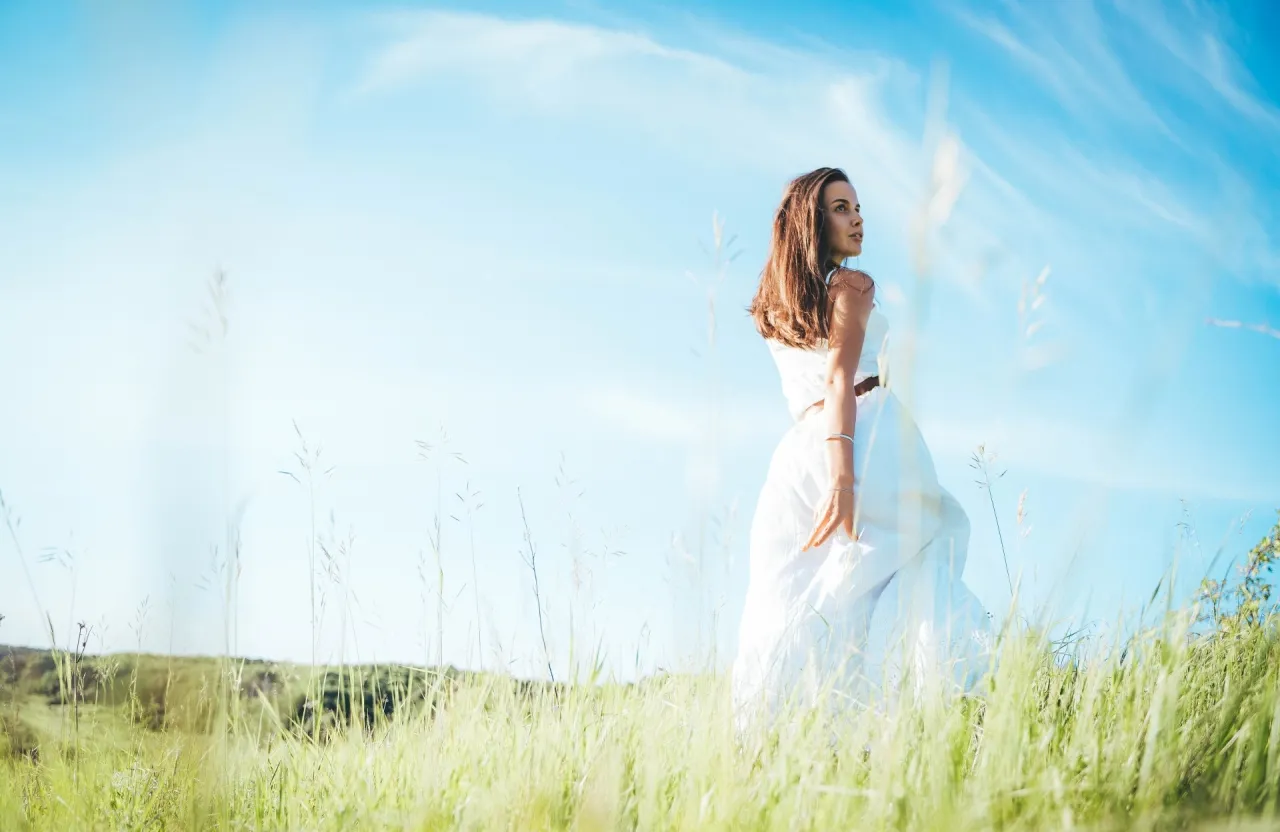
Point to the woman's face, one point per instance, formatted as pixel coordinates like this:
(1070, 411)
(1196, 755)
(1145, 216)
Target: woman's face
(843, 220)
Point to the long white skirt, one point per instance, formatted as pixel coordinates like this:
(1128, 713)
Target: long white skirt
(843, 622)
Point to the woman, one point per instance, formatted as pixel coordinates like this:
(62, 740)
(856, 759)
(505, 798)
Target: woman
(856, 550)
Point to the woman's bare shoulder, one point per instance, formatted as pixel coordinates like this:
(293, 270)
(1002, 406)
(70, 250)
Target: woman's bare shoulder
(852, 295)
(851, 281)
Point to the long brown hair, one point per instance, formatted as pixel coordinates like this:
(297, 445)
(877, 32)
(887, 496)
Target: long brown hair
(791, 302)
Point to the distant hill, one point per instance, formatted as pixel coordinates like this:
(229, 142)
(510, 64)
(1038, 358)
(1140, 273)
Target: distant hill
(181, 692)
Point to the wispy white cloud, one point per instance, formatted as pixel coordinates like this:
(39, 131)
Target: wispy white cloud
(1099, 68)
(780, 113)
(1121, 210)
(1069, 49)
(1070, 55)
(546, 53)
(1196, 41)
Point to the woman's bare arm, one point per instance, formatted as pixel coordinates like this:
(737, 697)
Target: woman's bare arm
(851, 294)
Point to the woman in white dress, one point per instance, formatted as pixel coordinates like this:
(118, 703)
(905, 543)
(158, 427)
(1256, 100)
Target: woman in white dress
(856, 551)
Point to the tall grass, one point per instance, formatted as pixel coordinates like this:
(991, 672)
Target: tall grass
(1164, 730)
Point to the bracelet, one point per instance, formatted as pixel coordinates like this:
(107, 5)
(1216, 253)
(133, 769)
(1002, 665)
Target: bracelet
(850, 490)
(841, 436)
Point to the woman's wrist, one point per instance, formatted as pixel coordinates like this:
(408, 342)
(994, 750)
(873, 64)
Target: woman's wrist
(840, 462)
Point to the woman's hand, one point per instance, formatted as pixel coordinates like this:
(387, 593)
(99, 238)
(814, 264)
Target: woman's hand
(835, 512)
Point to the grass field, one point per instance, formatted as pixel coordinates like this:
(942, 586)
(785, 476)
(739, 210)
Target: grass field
(1178, 727)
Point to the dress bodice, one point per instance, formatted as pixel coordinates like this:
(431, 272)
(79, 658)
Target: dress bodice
(804, 369)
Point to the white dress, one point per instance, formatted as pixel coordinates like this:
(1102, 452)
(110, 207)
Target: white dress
(841, 622)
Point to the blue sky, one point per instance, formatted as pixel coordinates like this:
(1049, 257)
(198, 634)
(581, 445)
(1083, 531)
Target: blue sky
(495, 222)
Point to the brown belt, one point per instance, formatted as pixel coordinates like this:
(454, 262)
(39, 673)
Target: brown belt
(860, 389)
